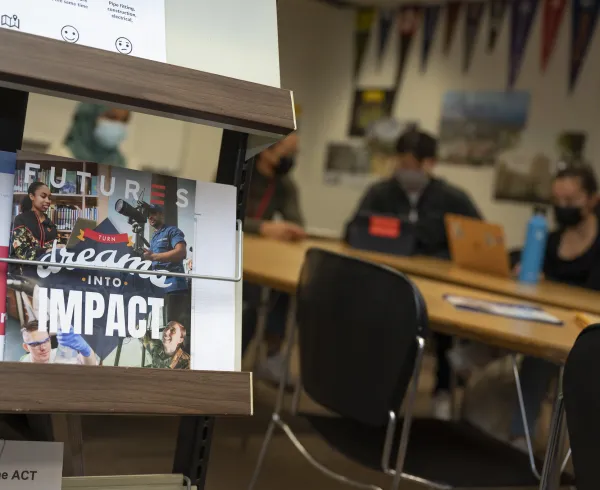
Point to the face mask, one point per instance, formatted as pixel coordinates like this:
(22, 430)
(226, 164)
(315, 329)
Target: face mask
(567, 216)
(412, 180)
(285, 166)
(109, 134)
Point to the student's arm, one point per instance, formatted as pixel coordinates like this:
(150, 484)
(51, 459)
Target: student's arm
(291, 206)
(464, 205)
(24, 245)
(367, 204)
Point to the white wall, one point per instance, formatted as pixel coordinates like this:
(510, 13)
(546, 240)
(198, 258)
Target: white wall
(316, 63)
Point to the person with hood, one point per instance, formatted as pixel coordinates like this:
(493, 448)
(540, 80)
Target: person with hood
(273, 194)
(95, 135)
(413, 193)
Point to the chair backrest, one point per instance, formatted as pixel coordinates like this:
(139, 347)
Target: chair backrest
(358, 324)
(581, 391)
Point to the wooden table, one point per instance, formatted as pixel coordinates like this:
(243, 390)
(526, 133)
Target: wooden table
(546, 292)
(277, 265)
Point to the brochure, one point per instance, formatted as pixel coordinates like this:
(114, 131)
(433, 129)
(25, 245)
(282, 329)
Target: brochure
(117, 218)
(509, 310)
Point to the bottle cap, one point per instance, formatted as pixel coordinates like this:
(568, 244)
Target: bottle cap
(539, 210)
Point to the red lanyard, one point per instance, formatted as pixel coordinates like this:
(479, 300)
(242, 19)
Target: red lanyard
(265, 201)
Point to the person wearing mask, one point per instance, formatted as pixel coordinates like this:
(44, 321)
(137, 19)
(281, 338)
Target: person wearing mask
(33, 232)
(572, 257)
(272, 194)
(95, 135)
(414, 194)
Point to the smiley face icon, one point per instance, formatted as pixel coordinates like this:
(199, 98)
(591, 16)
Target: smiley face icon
(124, 45)
(69, 34)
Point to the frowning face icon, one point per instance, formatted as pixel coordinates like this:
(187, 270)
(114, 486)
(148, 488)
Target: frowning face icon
(124, 45)
(69, 34)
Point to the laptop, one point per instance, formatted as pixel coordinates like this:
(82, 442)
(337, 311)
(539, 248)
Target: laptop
(477, 245)
(80, 225)
(381, 233)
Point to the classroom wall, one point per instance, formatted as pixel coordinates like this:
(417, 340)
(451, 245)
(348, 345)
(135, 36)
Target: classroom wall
(316, 59)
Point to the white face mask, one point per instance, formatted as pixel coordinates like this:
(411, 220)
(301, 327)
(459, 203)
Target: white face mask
(110, 134)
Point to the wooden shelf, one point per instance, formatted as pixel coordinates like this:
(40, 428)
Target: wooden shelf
(56, 388)
(37, 64)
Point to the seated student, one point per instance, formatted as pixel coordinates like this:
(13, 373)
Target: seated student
(413, 193)
(572, 257)
(272, 192)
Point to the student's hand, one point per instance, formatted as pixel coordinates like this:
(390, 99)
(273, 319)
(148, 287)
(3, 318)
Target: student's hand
(282, 230)
(75, 342)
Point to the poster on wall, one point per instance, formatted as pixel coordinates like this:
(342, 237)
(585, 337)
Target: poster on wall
(476, 127)
(526, 176)
(129, 27)
(370, 106)
(363, 161)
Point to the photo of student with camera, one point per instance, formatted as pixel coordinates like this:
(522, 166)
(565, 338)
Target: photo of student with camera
(33, 231)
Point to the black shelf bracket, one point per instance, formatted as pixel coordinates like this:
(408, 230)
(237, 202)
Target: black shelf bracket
(195, 433)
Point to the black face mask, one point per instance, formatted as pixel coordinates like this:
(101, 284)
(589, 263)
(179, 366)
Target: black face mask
(285, 166)
(567, 216)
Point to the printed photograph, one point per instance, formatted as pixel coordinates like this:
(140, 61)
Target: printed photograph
(527, 176)
(369, 107)
(82, 213)
(476, 127)
(347, 163)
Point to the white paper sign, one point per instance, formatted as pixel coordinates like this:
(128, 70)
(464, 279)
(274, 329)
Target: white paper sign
(129, 27)
(31, 465)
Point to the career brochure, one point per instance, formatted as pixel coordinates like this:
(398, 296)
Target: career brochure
(112, 218)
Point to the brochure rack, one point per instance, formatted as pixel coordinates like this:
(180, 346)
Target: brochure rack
(250, 114)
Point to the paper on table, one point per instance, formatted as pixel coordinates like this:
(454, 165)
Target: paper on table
(584, 320)
(510, 310)
(129, 27)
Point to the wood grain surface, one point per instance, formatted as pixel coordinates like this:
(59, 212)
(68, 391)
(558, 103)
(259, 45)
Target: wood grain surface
(55, 388)
(37, 64)
(546, 292)
(277, 265)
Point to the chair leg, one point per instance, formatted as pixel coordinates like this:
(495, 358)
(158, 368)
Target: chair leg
(263, 452)
(323, 469)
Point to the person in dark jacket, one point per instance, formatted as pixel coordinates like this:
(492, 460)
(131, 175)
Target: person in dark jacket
(273, 194)
(416, 195)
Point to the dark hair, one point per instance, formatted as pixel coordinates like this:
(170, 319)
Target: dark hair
(418, 143)
(32, 326)
(26, 203)
(585, 174)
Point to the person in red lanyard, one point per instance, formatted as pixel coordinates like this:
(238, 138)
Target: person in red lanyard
(273, 211)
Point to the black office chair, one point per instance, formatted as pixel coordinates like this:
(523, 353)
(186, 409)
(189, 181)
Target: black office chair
(582, 405)
(362, 330)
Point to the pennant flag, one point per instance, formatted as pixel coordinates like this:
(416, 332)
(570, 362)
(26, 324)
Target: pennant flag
(553, 14)
(474, 16)
(522, 15)
(408, 23)
(386, 18)
(452, 13)
(497, 11)
(364, 21)
(585, 16)
(431, 14)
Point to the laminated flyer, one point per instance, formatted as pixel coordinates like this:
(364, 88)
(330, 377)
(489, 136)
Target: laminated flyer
(81, 213)
(128, 27)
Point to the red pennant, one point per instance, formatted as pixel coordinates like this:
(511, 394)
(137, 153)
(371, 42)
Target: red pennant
(553, 14)
(452, 14)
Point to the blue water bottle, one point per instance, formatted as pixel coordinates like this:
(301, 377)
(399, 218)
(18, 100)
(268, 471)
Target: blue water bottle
(532, 257)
